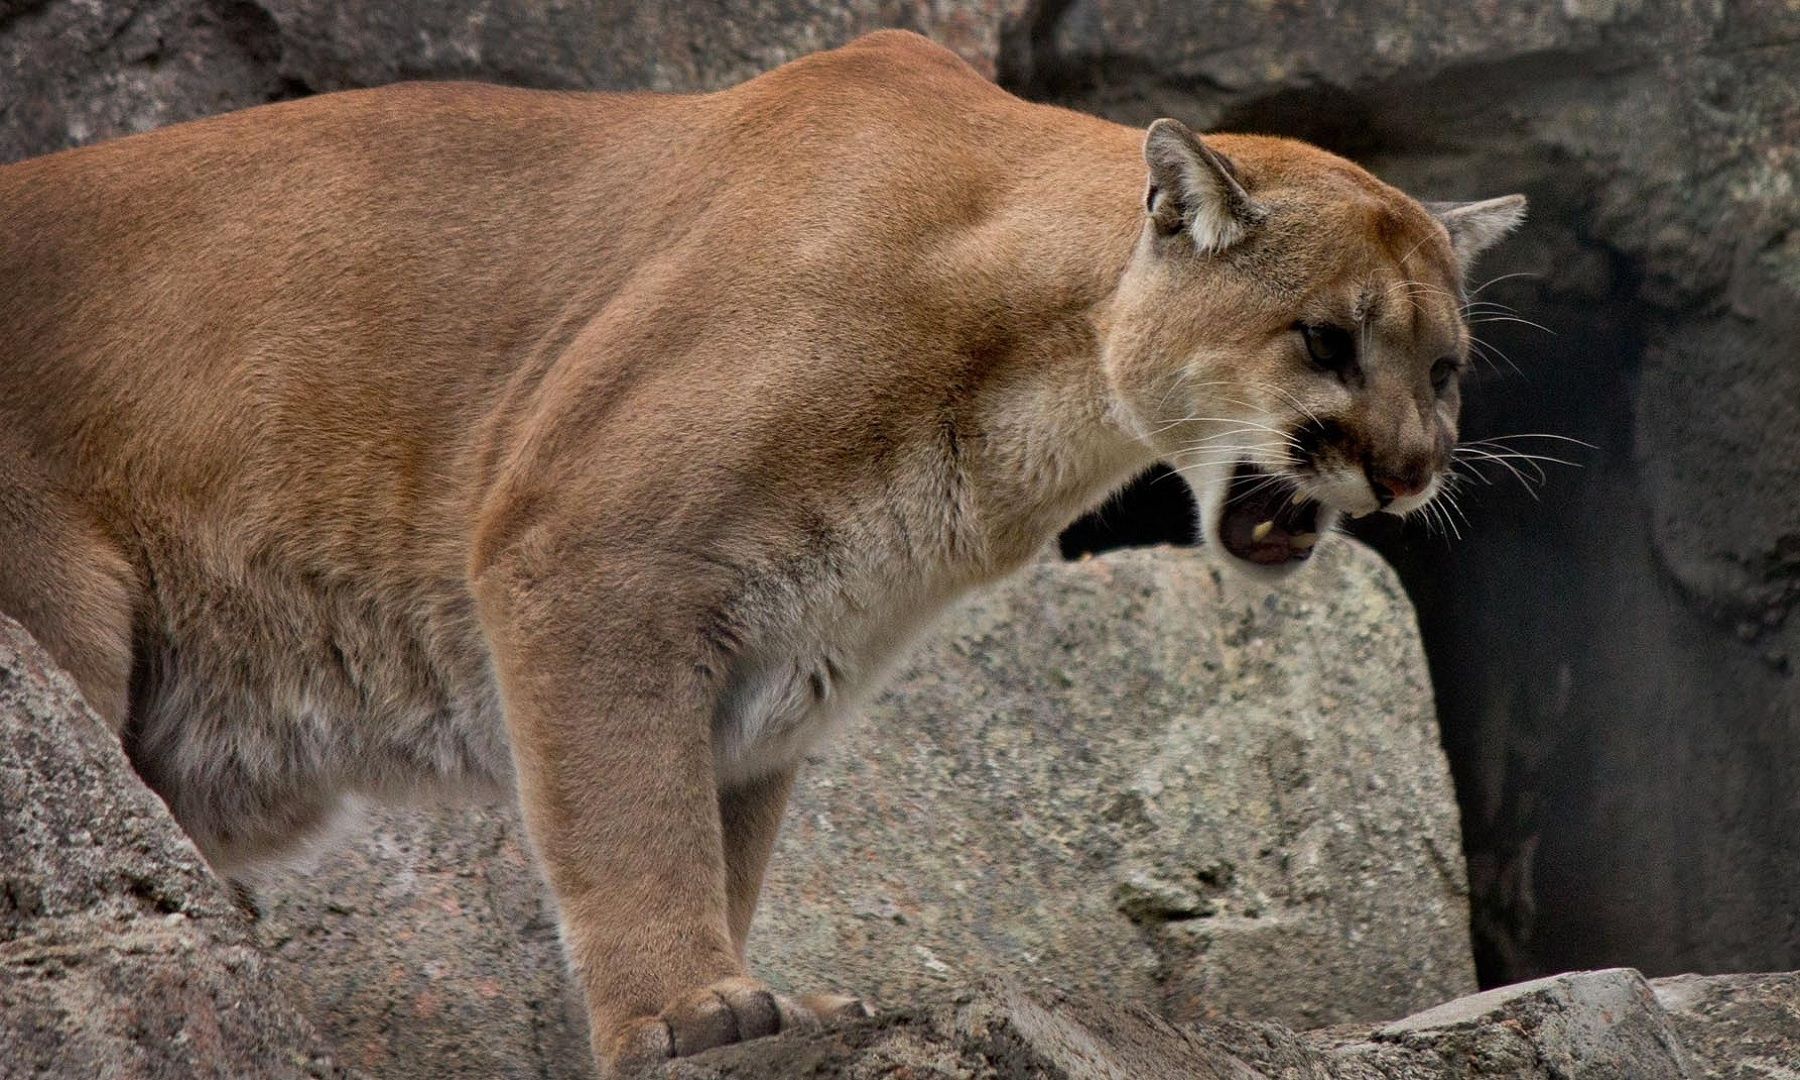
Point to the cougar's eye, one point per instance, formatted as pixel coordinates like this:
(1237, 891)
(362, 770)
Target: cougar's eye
(1443, 371)
(1331, 347)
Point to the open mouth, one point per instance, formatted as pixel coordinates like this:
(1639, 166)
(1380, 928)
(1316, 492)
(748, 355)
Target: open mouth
(1264, 520)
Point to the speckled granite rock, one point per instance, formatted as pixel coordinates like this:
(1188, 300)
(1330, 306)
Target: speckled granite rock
(991, 1031)
(1598, 1025)
(74, 71)
(1120, 778)
(424, 948)
(1113, 777)
(120, 954)
(1736, 1027)
(685, 45)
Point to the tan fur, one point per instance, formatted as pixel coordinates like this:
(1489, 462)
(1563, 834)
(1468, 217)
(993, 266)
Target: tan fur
(610, 447)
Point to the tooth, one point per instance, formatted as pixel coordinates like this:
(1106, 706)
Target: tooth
(1261, 532)
(1302, 541)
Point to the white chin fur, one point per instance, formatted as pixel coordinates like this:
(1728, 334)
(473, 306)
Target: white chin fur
(1345, 491)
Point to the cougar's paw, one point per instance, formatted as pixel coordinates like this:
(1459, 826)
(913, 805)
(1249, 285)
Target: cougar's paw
(728, 1011)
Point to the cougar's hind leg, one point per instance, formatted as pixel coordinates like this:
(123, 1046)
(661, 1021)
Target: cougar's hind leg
(66, 583)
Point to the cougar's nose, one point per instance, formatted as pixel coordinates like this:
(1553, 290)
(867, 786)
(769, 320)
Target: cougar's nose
(1398, 479)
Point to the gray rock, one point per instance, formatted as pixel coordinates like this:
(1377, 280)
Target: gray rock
(1599, 1025)
(73, 72)
(424, 948)
(1114, 777)
(120, 954)
(992, 1031)
(1736, 1027)
(682, 46)
(1120, 778)
(1588, 1025)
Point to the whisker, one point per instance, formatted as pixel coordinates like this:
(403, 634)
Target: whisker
(1426, 285)
(1295, 402)
(1536, 471)
(1446, 519)
(1455, 475)
(1428, 519)
(1486, 307)
(1245, 425)
(1188, 459)
(1517, 455)
(1477, 321)
(1496, 280)
(1266, 481)
(1535, 435)
(1257, 488)
(1482, 354)
(1221, 435)
(1520, 476)
(1455, 504)
(1484, 346)
(1433, 521)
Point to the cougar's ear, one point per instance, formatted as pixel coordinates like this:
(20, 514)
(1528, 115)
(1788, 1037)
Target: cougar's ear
(1195, 189)
(1476, 226)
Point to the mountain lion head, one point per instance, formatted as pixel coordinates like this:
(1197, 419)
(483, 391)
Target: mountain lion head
(1290, 335)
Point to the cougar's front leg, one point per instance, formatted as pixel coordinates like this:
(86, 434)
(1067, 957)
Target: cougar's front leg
(751, 815)
(610, 710)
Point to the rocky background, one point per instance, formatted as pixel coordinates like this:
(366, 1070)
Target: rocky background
(1614, 662)
(1117, 820)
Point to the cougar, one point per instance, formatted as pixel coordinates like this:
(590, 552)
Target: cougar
(604, 450)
